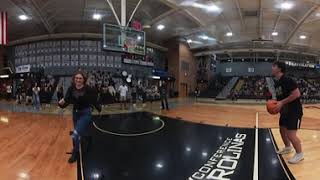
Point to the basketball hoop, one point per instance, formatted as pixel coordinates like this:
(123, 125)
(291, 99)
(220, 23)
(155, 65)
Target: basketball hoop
(124, 39)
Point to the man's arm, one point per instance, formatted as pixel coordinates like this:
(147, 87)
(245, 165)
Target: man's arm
(293, 96)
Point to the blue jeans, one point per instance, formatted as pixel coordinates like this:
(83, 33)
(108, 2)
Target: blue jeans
(81, 122)
(164, 102)
(36, 102)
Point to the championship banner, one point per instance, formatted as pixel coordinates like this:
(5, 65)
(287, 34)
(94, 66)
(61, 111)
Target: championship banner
(3, 28)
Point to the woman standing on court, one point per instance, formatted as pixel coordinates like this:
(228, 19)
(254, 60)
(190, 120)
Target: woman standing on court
(83, 98)
(36, 96)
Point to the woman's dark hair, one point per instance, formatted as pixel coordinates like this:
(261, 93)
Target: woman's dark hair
(280, 65)
(83, 74)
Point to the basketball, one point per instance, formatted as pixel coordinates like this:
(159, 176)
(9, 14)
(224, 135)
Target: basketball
(271, 105)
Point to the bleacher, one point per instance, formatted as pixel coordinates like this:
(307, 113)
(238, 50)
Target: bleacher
(309, 89)
(215, 87)
(253, 87)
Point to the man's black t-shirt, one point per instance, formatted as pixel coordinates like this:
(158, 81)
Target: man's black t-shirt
(284, 87)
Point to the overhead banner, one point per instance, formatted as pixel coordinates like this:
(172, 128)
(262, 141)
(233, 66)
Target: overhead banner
(137, 62)
(23, 68)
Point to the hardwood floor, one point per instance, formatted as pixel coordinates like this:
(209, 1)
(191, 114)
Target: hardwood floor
(244, 116)
(309, 168)
(34, 146)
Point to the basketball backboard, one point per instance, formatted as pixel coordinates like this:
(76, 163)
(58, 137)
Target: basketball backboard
(123, 39)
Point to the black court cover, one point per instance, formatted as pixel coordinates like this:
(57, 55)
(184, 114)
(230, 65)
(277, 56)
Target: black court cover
(144, 146)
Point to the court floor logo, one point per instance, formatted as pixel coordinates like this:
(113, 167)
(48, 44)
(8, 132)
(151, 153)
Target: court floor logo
(223, 162)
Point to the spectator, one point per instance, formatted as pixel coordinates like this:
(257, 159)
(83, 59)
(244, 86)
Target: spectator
(29, 95)
(19, 95)
(9, 91)
(134, 96)
(123, 89)
(60, 92)
(36, 96)
(163, 96)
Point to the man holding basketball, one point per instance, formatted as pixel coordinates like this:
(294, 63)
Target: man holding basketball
(290, 108)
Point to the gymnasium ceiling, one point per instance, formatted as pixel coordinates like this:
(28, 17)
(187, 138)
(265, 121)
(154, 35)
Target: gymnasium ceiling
(203, 22)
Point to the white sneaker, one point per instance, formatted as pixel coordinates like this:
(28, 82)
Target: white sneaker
(285, 150)
(296, 158)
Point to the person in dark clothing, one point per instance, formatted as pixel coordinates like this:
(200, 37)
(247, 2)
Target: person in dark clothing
(290, 108)
(29, 94)
(141, 91)
(134, 96)
(19, 95)
(84, 99)
(60, 92)
(197, 92)
(163, 95)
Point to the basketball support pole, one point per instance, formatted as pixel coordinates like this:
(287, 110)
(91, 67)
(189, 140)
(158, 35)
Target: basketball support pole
(123, 12)
(114, 12)
(134, 12)
(123, 19)
(123, 22)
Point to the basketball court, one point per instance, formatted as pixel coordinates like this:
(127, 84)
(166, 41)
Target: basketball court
(211, 59)
(155, 145)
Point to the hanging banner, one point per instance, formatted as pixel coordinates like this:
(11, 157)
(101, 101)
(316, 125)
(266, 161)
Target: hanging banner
(23, 68)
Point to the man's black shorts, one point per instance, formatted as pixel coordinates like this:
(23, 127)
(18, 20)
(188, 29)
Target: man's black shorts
(291, 121)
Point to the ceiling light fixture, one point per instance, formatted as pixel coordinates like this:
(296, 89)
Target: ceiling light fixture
(274, 33)
(303, 37)
(160, 27)
(209, 7)
(97, 16)
(204, 37)
(229, 34)
(213, 8)
(286, 5)
(159, 165)
(23, 17)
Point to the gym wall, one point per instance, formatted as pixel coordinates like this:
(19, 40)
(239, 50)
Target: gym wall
(63, 57)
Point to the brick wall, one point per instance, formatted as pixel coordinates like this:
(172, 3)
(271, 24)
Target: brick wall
(181, 64)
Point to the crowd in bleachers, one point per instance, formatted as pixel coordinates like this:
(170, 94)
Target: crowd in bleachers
(215, 86)
(309, 89)
(108, 87)
(31, 89)
(253, 87)
(44, 89)
(256, 88)
(47, 89)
